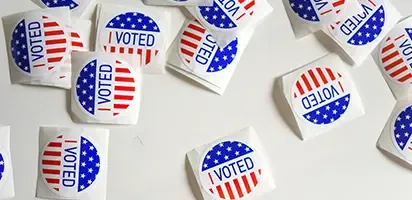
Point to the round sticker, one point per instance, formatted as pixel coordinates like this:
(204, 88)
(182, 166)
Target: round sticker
(396, 55)
(70, 165)
(317, 11)
(105, 88)
(72, 4)
(321, 95)
(200, 53)
(133, 33)
(230, 170)
(401, 132)
(39, 45)
(362, 28)
(226, 14)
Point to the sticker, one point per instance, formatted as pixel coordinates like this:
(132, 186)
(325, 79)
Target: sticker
(39, 45)
(70, 165)
(230, 170)
(72, 4)
(396, 56)
(363, 28)
(105, 88)
(77, 44)
(199, 51)
(401, 132)
(226, 14)
(2, 165)
(133, 33)
(318, 11)
(321, 95)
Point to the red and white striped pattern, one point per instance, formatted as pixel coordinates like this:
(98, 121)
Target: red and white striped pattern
(77, 45)
(191, 40)
(147, 54)
(51, 161)
(56, 42)
(337, 7)
(238, 187)
(393, 62)
(315, 78)
(248, 5)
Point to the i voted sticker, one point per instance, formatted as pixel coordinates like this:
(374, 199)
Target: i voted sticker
(39, 45)
(226, 14)
(401, 132)
(317, 11)
(105, 88)
(133, 33)
(321, 95)
(70, 165)
(362, 28)
(200, 53)
(72, 4)
(230, 170)
(396, 55)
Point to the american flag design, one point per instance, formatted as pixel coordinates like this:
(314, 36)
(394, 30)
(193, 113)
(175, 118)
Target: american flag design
(69, 165)
(227, 14)
(133, 33)
(402, 130)
(2, 167)
(198, 48)
(104, 90)
(396, 56)
(321, 95)
(230, 170)
(39, 45)
(72, 4)
(317, 10)
(362, 28)
(77, 44)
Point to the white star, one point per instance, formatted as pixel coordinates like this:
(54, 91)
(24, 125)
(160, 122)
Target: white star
(397, 136)
(229, 149)
(129, 19)
(315, 120)
(305, 16)
(218, 153)
(89, 109)
(117, 18)
(223, 17)
(307, 116)
(337, 103)
(84, 141)
(375, 36)
(292, 5)
(344, 107)
(232, 56)
(84, 92)
(360, 33)
(91, 148)
(90, 170)
(318, 112)
(373, 18)
(380, 11)
(368, 34)
(309, 8)
(226, 157)
(229, 48)
(366, 25)
(300, 6)
(216, 161)
(26, 68)
(23, 46)
(205, 166)
(247, 149)
(220, 67)
(155, 27)
(325, 116)
(221, 145)
(83, 103)
(85, 69)
(133, 25)
(139, 20)
(89, 182)
(410, 125)
(83, 175)
(122, 25)
(91, 75)
(135, 14)
(347, 99)
(407, 117)
(207, 9)
(374, 27)
(17, 42)
(230, 24)
(237, 153)
(399, 119)
(239, 144)
(150, 21)
(216, 8)
(82, 187)
(91, 159)
(84, 153)
(360, 42)
(90, 86)
(111, 24)
(352, 41)
(406, 134)
(72, 5)
(332, 120)
(90, 98)
(327, 108)
(83, 164)
(216, 59)
(401, 144)
(212, 69)
(48, 3)
(22, 35)
(144, 26)
(97, 164)
(313, 17)
(381, 19)
(402, 126)
(55, 1)
(1, 162)
(84, 80)
(334, 112)
(224, 57)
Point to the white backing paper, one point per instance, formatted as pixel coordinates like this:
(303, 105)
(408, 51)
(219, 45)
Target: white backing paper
(6, 167)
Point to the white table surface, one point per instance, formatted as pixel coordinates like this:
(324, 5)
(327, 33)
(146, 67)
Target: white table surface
(177, 116)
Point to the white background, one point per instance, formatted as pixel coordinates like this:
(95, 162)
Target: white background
(178, 115)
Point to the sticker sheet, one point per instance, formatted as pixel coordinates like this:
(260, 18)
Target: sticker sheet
(322, 96)
(135, 31)
(106, 88)
(309, 16)
(233, 167)
(38, 45)
(226, 19)
(6, 169)
(179, 2)
(77, 7)
(394, 58)
(72, 163)
(368, 23)
(196, 55)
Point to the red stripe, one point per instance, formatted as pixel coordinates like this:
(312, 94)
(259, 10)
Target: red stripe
(246, 184)
(45, 17)
(121, 49)
(114, 114)
(57, 189)
(124, 88)
(229, 190)
(77, 44)
(51, 162)
(39, 65)
(113, 49)
(110, 37)
(51, 171)
(187, 52)
(122, 70)
(211, 190)
(338, 3)
(51, 33)
(123, 97)
(243, 14)
(197, 28)
(255, 182)
(299, 88)
(322, 76)
(393, 64)
(404, 78)
(75, 35)
(249, 5)
(189, 43)
(148, 55)
(372, 3)
(50, 24)
(305, 80)
(118, 62)
(241, 1)
(60, 136)
(124, 79)
(139, 51)
(210, 177)
(70, 141)
(50, 68)
(409, 148)
(397, 72)
(55, 144)
(105, 48)
(340, 84)
(104, 109)
(55, 59)
(326, 12)
(331, 75)
(130, 50)
(52, 153)
(387, 48)
(220, 191)
(56, 41)
(390, 56)
(191, 35)
(55, 50)
(238, 188)
(53, 180)
(399, 37)
(314, 79)
(120, 106)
